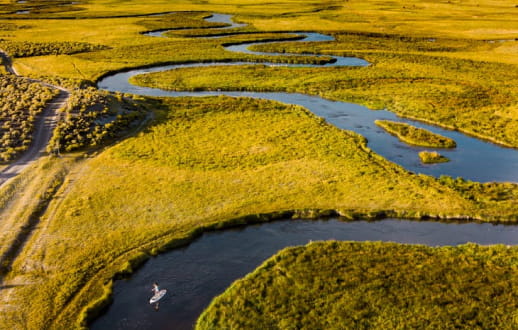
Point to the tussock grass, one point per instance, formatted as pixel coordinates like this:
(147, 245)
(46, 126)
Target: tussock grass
(331, 285)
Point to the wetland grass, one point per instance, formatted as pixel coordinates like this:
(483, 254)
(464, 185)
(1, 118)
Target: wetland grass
(444, 74)
(416, 136)
(473, 97)
(432, 157)
(207, 162)
(336, 285)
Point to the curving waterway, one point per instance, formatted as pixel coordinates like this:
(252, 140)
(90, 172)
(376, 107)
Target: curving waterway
(197, 273)
(473, 159)
(200, 271)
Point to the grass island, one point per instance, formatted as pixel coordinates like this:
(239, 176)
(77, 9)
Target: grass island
(374, 285)
(416, 136)
(431, 157)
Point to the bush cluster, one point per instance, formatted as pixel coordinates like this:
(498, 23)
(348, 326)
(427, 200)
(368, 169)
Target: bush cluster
(91, 117)
(20, 102)
(27, 49)
(431, 157)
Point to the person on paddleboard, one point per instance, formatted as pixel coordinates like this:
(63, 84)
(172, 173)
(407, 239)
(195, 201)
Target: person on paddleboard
(155, 288)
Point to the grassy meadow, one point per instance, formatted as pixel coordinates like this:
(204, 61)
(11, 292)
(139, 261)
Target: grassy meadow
(205, 163)
(478, 97)
(349, 285)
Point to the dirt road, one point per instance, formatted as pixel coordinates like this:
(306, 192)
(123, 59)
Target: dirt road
(44, 127)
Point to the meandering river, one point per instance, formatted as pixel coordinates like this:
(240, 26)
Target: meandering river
(473, 159)
(195, 274)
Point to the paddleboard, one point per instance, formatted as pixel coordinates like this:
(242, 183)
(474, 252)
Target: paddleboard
(157, 296)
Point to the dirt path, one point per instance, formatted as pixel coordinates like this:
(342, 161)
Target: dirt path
(44, 127)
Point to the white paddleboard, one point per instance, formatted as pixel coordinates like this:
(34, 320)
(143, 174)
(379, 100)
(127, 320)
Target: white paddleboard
(157, 296)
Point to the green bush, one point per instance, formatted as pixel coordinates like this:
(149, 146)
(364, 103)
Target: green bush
(90, 117)
(27, 49)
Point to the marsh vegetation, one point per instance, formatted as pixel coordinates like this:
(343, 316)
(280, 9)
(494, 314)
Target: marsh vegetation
(432, 157)
(327, 285)
(416, 136)
(204, 160)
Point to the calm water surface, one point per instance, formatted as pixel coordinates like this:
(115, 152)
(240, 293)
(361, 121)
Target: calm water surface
(197, 273)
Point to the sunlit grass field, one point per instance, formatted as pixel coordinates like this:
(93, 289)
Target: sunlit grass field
(207, 162)
(479, 98)
(202, 162)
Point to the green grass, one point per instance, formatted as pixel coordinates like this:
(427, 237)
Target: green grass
(416, 136)
(346, 285)
(431, 157)
(205, 162)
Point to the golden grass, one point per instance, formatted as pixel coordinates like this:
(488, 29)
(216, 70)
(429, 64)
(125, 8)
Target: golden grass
(22, 198)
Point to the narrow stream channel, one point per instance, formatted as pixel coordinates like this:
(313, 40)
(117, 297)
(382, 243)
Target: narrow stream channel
(197, 273)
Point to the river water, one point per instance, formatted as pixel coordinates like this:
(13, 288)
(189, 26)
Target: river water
(195, 274)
